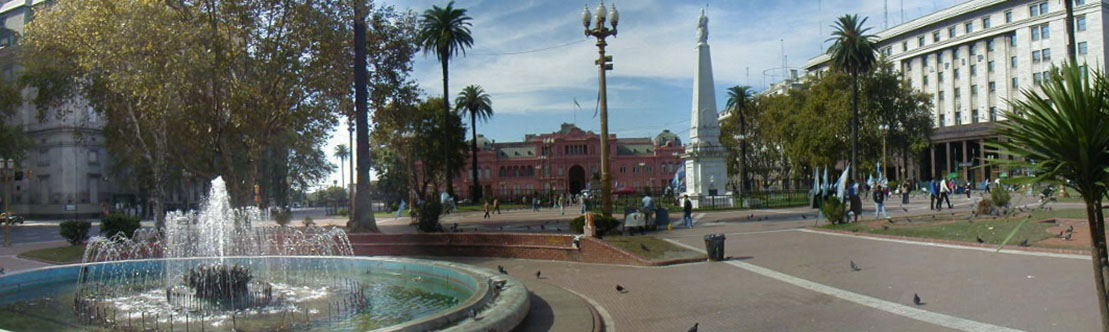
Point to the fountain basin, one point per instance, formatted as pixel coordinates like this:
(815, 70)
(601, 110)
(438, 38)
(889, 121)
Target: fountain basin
(402, 295)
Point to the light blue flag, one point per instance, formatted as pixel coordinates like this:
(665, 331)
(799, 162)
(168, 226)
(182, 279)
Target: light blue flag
(841, 185)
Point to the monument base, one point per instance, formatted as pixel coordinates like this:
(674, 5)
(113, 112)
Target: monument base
(712, 201)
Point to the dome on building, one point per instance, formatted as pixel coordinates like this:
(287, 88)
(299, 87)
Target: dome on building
(484, 143)
(667, 137)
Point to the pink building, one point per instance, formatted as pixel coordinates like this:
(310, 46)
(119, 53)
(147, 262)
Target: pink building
(566, 161)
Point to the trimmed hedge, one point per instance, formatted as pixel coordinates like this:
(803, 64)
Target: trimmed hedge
(604, 224)
(75, 231)
(115, 223)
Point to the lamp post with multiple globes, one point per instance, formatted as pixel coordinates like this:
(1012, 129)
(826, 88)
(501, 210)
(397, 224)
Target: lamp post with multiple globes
(595, 27)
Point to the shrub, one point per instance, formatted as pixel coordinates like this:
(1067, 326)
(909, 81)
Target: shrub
(835, 210)
(429, 216)
(115, 223)
(308, 222)
(985, 206)
(283, 216)
(75, 231)
(343, 212)
(1000, 197)
(604, 224)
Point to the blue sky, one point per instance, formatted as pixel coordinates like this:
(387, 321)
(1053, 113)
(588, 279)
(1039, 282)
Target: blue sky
(533, 59)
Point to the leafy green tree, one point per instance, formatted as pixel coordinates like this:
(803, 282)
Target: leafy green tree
(342, 152)
(474, 101)
(445, 31)
(853, 52)
(1062, 133)
(13, 141)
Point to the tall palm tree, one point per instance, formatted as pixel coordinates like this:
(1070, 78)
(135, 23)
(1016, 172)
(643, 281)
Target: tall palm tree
(445, 31)
(362, 220)
(853, 52)
(740, 99)
(342, 152)
(1064, 129)
(475, 101)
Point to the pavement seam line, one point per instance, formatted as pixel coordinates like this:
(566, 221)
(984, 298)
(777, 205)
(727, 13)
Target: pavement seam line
(944, 320)
(953, 246)
(609, 323)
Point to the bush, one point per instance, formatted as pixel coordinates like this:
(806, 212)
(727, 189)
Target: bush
(835, 210)
(115, 223)
(985, 207)
(308, 222)
(429, 216)
(999, 196)
(283, 216)
(343, 212)
(604, 224)
(75, 231)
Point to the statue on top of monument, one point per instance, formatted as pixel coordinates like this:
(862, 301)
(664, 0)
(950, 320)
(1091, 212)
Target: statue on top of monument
(703, 28)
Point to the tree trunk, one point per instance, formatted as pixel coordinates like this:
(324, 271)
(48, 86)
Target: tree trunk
(1096, 219)
(475, 190)
(446, 138)
(1069, 5)
(159, 194)
(854, 127)
(363, 214)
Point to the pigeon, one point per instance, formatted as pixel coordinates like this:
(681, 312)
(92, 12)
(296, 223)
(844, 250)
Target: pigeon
(1024, 243)
(621, 289)
(979, 238)
(641, 246)
(884, 227)
(1, 271)
(802, 217)
(855, 267)
(538, 274)
(916, 299)
(1070, 229)
(473, 314)
(1068, 236)
(501, 269)
(694, 328)
(904, 209)
(1060, 234)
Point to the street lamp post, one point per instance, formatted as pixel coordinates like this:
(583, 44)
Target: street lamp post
(7, 168)
(884, 128)
(600, 31)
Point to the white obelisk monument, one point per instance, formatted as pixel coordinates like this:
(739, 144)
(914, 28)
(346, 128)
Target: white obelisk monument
(706, 172)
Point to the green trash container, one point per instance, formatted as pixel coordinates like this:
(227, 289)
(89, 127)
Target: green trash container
(714, 245)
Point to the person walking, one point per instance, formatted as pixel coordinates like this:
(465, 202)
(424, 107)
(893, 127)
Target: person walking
(487, 210)
(934, 190)
(853, 197)
(581, 203)
(535, 203)
(945, 191)
(400, 208)
(905, 190)
(648, 208)
(562, 203)
(880, 202)
(497, 206)
(967, 188)
(687, 211)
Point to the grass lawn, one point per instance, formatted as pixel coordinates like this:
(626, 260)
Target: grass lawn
(657, 249)
(990, 230)
(58, 255)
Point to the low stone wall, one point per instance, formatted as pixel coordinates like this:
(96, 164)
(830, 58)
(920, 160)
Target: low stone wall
(505, 245)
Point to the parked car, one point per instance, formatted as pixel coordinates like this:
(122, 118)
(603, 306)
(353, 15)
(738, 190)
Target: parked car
(11, 219)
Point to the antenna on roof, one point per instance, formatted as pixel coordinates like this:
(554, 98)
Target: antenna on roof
(902, 12)
(886, 14)
(820, 23)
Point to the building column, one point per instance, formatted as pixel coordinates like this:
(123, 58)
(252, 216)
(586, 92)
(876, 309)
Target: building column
(932, 162)
(946, 159)
(982, 159)
(966, 177)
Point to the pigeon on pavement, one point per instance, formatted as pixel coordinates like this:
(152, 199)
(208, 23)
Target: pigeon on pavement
(501, 269)
(916, 299)
(641, 246)
(538, 274)
(979, 238)
(1068, 236)
(855, 267)
(1024, 243)
(694, 328)
(621, 289)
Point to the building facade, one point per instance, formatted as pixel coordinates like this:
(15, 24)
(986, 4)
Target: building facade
(975, 57)
(569, 161)
(66, 173)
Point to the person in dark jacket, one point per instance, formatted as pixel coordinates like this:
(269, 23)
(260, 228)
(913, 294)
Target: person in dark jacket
(934, 189)
(687, 211)
(853, 197)
(880, 202)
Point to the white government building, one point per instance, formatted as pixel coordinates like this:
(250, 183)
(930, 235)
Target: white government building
(974, 56)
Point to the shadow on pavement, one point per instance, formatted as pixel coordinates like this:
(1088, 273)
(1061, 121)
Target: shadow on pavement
(539, 318)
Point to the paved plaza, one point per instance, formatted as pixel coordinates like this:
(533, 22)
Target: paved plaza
(780, 276)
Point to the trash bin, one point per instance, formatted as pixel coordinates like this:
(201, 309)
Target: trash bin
(714, 245)
(662, 217)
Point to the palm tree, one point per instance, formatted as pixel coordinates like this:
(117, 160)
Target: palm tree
(475, 101)
(739, 101)
(445, 31)
(1061, 134)
(342, 152)
(362, 220)
(852, 52)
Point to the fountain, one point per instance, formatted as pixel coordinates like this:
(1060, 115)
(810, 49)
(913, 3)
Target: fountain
(218, 269)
